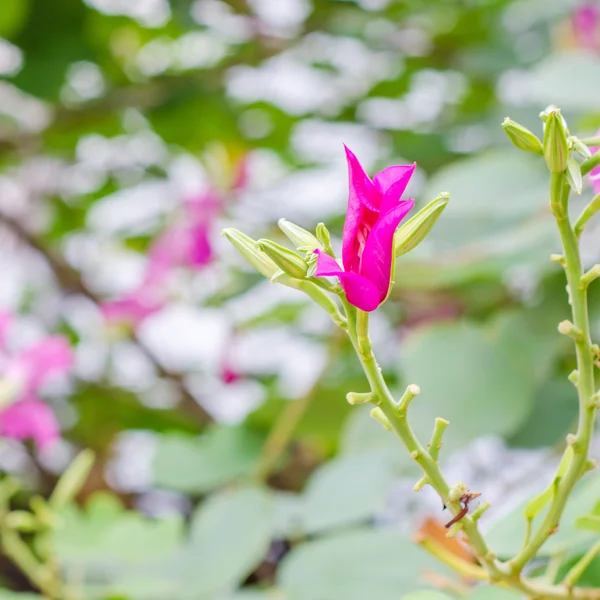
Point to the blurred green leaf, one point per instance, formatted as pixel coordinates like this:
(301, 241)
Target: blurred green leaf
(199, 464)
(348, 490)
(13, 16)
(230, 536)
(368, 563)
(104, 534)
(479, 377)
(426, 595)
(506, 535)
(9, 595)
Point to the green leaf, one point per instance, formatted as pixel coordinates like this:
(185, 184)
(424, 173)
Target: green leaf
(484, 376)
(10, 595)
(200, 464)
(345, 491)
(486, 229)
(230, 535)
(365, 563)
(13, 16)
(570, 80)
(506, 535)
(106, 534)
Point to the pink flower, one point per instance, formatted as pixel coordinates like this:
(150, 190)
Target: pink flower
(26, 416)
(586, 20)
(30, 418)
(374, 212)
(132, 308)
(595, 172)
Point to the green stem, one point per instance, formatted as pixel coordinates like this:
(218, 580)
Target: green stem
(397, 416)
(590, 163)
(399, 423)
(579, 568)
(585, 383)
(591, 141)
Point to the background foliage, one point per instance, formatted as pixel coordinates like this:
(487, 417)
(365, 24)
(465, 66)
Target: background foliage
(228, 465)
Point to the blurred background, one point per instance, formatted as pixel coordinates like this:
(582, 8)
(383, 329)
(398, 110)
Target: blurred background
(228, 463)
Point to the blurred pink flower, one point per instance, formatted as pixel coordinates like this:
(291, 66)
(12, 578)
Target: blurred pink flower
(23, 415)
(131, 309)
(30, 418)
(595, 172)
(374, 212)
(586, 22)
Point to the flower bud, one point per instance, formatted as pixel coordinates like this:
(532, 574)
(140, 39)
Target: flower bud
(324, 237)
(556, 148)
(415, 230)
(248, 248)
(287, 260)
(579, 147)
(521, 137)
(574, 177)
(302, 239)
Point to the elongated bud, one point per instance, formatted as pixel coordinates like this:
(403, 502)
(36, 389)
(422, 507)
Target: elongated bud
(574, 177)
(556, 148)
(521, 137)
(248, 248)
(287, 260)
(302, 239)
(324, 237)
(73, 479)
(21, 520)
(415, 230)
(355, 398)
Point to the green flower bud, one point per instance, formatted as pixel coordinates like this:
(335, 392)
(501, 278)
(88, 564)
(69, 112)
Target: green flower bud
(579, 147)
(415, 230)
(556, 148)
(248, 248)
(287, 260)
(302, 239)
(324, 237)
(521, 137)
(574, 177)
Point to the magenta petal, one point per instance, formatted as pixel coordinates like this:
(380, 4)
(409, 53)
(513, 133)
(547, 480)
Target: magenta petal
(52, 355)
(377, 256)
(394, 191)
(363, 206)
(385, 179)
(360, 291)
(30, 419)
(6, 319)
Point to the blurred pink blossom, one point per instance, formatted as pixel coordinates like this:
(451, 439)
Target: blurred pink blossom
(22, 414)
(586, 23)
(595, 173)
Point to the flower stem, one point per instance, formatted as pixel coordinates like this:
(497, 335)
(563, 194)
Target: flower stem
(579, 568)
(585, 381)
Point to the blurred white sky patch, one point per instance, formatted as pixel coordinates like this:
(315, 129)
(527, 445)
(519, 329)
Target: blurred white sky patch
(186, 339)
(219, 16)
(84, 82)
(26, 113)
(131, 211)
(291, 80)
(297, 361)
(11, 58)
(430, 92)
(149, 13)
(281, 17)
(194, 50)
